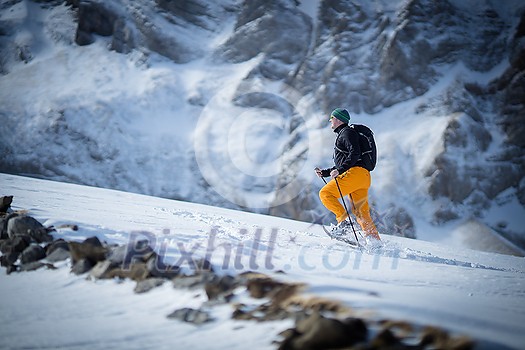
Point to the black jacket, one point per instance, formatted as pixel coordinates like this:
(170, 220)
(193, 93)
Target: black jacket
(346, 150)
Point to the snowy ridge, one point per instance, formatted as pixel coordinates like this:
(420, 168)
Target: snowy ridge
(469, 292)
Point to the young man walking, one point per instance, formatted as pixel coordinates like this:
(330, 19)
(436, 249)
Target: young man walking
(350, 174)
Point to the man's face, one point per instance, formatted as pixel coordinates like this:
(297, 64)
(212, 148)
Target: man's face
(334, 122)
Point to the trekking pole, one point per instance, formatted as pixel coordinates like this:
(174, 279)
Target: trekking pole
(322, 178)
(344, 204)
(354, 209)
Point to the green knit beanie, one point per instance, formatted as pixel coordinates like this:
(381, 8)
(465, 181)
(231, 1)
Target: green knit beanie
(341, 114)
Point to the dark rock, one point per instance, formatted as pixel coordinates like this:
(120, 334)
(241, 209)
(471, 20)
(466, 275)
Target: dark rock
(9, 259)
(139, 251)
(195, 15)
(157, 268)
(3, 224)
(126, 255)
(93, 17)
(141, 26)
(289, 28)
(41, 235)
(94, 241)
(387, 340)
(5, 203)
(94, 253)
(22, 225)
(189, 315)
(58, 254)
(117, 254)
(319, 332)
(16, 244)
(193, 11)
(137, 271)
(81, 266)
(220, 287)
(168, 45)
(101, 270)
(73, 3)
(280, 305)
(436, 337)
(28, 225)
(192, 282)
(241, 312)
(148, 284)
(32, 253)
(59, 243)
(35, 265)
(262, 287)
(3, 228)
(262, 313)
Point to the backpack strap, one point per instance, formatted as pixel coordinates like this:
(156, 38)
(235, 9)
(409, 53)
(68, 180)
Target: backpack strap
(343, 151)
(340, 150)
(335, 144)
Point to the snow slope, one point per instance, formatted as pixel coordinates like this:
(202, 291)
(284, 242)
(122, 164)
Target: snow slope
(469, 292)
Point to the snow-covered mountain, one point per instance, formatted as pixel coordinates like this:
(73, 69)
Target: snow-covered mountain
(404, 286)
(225, 102)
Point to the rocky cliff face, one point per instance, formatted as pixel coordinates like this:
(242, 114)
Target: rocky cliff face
(366, 56)
(161, 26)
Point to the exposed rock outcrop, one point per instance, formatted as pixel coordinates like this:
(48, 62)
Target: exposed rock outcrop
(132, 25)
(21, 225)
(260, 20)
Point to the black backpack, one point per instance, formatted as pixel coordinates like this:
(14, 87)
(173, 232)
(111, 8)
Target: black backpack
(367, 145)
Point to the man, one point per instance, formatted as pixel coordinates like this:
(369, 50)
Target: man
(351, 176)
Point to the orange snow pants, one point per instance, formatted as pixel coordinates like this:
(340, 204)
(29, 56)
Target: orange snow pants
(354, 183)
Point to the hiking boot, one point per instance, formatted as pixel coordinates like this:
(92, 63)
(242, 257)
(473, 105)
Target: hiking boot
(340, 229)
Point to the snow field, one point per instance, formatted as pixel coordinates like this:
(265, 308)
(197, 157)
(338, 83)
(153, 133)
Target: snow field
(469, 292)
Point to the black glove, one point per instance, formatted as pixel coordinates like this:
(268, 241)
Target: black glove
(323, 172)
(326, 172)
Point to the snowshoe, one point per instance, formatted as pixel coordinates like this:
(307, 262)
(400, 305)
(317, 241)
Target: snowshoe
(341, 229)
(340, 233)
